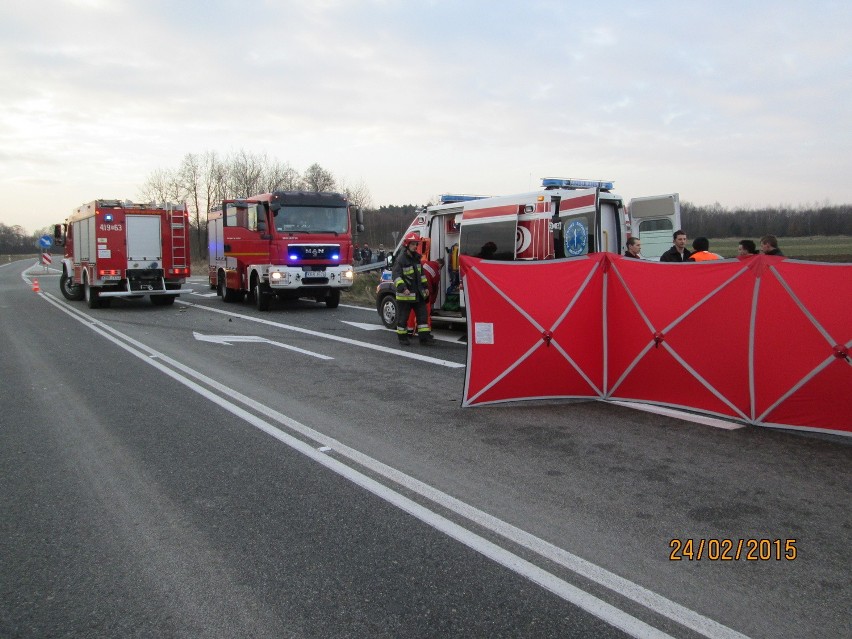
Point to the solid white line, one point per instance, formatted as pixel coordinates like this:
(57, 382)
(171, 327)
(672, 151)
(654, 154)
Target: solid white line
(624, 587)
(591, 604)
(336, 338)
(679, 414)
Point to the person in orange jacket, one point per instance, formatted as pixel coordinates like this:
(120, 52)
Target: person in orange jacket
(701, 251)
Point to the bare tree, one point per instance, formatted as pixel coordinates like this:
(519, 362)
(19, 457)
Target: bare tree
(282, 177)
(246, 174)
(163, 185)
(358, 194)
(318, 179)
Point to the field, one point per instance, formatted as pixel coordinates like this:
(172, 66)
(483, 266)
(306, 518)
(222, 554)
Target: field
(835, 248)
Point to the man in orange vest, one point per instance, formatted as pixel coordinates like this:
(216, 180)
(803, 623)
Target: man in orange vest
(701, 251)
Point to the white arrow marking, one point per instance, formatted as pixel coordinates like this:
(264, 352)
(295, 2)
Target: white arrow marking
(228, 340)
(379, 327)
(365, 327)
(213, 294)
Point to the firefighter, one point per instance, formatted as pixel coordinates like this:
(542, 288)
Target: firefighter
(432, 271)
(411, 292)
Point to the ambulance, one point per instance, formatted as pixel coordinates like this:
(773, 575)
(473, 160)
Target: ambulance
(567, 218)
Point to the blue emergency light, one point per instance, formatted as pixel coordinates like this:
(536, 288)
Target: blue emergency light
(449, 199)
(573, 183)
(108, 217)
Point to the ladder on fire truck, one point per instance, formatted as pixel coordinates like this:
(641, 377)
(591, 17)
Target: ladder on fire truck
(178, 224)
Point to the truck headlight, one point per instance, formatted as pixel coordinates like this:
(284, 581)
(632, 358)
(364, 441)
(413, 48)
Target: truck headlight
(275, 275)
(347, 275)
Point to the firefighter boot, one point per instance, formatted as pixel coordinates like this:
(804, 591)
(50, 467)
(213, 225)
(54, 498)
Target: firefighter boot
(427, 339)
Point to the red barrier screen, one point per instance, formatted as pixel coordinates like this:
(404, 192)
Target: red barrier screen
(764, 340)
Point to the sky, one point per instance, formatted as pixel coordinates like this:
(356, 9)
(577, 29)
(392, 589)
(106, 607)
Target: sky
(741, 103)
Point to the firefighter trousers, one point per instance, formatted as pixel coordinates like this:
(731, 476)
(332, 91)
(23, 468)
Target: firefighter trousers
(418, 307)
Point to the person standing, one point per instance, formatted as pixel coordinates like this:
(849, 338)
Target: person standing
(634, 247)
(432, 271)
(411, 292)
(678, 252)
(356, 255)
(367, 254)
(701, 251)
(746, 248)
(769, 245)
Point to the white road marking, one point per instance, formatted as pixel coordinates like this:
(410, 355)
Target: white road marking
(228, 340)
(679, 414)
(379, 327)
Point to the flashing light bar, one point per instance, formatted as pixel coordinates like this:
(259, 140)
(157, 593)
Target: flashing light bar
(449, 199)
(573, 183)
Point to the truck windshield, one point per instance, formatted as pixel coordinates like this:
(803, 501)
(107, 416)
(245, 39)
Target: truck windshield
(312, 219)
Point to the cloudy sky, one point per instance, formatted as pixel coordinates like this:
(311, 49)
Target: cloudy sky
(741, 103)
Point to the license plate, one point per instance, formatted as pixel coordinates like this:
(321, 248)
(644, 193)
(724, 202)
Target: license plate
(313, 274)
(111, 277)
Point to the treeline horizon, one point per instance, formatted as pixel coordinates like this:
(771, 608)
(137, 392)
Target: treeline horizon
(712, 221)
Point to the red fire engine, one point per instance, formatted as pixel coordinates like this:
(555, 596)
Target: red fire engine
(568, 218)
(122, 249)
(287, 244)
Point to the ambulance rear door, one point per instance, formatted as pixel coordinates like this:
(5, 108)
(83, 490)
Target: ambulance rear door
(654, 220)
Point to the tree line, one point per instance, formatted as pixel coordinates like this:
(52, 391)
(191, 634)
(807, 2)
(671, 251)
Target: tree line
(717, 221)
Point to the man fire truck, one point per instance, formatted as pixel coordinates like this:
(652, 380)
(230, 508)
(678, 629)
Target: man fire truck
(288, 244)
(120, 249)
(568, 218)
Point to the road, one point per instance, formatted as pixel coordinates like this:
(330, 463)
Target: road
(207, 470)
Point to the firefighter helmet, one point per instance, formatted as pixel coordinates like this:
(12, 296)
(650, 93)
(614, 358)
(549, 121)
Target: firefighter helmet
(409, 238)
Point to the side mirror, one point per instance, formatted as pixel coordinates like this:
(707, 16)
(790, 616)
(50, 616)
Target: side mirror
(359, 228)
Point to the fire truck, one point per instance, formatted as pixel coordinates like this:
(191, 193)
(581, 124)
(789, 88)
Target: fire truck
(117, 248)
(567, 218)
(286, 244)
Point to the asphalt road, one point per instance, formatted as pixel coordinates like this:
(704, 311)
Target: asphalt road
(206, 470)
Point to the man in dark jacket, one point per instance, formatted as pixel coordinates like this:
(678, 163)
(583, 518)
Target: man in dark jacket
(678, 252)
(411, 292)
(769, 245)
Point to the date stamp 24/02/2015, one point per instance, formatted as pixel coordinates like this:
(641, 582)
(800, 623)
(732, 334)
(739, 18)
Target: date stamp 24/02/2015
(729, 549)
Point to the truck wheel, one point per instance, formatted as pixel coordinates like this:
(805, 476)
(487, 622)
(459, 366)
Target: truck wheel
(333, 299)
(262, 296)
(93, 300)
(229, 295)
(388, 311)
(70, 290)
(162, 300)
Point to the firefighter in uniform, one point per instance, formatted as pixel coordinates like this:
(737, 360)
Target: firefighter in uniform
(411, 292)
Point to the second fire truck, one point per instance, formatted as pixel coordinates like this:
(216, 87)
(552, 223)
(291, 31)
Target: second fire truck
(286, 244)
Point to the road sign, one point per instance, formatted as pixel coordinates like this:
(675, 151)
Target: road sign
(46, 259)
(45, 241)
